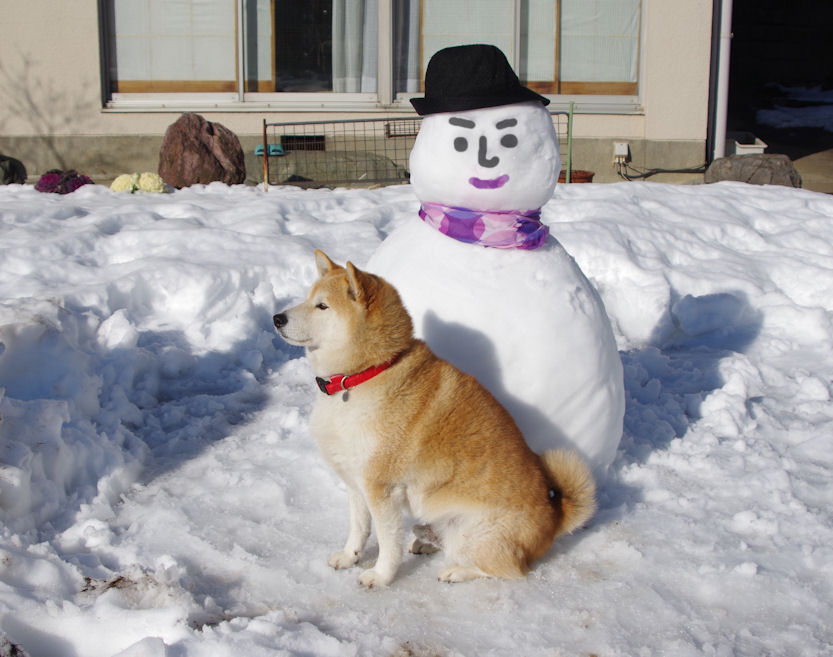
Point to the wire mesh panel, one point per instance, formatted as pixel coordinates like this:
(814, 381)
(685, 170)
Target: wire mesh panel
(352, 152)
(562, 121)
(329, 153)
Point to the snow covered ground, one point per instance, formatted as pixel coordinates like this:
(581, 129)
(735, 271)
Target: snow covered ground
(803, 107)
(160, 494)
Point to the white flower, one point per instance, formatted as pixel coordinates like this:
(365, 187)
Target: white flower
(151, 182)
(144, 182)
(126, 182)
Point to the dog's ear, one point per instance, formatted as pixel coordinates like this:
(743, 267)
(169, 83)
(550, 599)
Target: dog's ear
(323, 263)
(358, 283)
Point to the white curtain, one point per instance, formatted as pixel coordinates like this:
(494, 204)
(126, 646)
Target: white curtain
(406, 46)
(174, 40)
(599, 40)
(354, 46)
(456, 22)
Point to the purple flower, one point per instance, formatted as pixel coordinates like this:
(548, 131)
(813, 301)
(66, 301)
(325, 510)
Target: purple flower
(49, 182)
(71, 183)
(61, 182)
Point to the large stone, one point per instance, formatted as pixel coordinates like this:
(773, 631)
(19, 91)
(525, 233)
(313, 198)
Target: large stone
(757, 169)
(11, 170)
(197, 151)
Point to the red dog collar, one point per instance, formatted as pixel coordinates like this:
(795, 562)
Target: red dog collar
(338, 382)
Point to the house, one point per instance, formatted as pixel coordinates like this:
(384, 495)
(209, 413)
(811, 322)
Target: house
(94, 85)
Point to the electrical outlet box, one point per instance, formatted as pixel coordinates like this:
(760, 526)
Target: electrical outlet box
(621, 152)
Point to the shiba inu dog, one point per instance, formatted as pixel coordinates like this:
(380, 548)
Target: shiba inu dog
(406, 430)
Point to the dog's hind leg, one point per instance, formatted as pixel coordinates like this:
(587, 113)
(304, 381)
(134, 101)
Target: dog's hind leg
(481, 547)
(359, 531)
(458, 573)
(426, 540)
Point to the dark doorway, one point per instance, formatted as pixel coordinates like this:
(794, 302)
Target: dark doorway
(778, 46)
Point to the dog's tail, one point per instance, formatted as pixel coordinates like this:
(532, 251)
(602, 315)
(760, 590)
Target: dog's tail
(572, 489)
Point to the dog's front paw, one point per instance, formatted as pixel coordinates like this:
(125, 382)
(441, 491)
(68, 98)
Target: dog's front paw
(373, 579)
(343, 559)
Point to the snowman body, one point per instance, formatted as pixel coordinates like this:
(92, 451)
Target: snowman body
(524, 320)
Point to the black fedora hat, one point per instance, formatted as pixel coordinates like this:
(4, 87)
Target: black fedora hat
(471, 77)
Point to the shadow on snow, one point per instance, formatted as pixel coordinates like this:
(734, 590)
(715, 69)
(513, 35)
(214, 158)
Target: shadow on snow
(667, 380)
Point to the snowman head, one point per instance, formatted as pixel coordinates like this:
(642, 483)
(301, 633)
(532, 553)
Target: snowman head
(486, 141)
(497, 158)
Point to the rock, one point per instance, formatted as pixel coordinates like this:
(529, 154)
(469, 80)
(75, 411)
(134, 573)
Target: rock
(757, 169)
(197, 151)
(12, 171)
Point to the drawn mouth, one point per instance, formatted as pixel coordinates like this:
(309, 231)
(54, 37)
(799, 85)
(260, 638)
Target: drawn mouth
(492, 183)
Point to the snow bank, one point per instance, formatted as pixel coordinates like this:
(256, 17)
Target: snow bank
(160, 494)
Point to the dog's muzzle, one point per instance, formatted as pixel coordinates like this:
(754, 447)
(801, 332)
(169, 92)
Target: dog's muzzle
(280, 320)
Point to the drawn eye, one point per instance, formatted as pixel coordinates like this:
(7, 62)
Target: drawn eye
(509, 141)
(461, 144)
(322, 306)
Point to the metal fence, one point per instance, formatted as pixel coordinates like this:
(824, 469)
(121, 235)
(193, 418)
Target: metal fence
(355, 152)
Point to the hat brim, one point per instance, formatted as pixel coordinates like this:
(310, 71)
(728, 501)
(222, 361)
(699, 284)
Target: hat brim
(425, 105)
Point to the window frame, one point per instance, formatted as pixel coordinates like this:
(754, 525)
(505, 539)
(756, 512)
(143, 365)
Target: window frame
(234, 96)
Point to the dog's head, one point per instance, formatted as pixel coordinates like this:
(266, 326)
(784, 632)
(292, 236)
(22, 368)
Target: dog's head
(350, 319)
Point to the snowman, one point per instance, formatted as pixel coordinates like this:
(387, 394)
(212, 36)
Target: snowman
(488, 288)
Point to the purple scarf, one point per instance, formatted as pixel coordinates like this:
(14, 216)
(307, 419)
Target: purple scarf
(508, 229)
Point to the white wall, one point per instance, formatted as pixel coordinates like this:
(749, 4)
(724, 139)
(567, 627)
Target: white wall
(50, 78)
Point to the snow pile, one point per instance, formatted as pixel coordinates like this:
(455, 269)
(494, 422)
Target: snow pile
(160, 494)
(802, 108)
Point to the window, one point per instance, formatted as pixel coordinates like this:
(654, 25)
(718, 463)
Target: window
(558, 46)
(599, 47)
(172, 46)
(319, 54)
